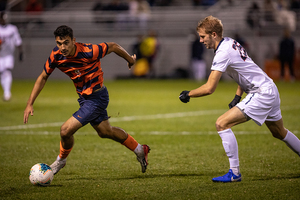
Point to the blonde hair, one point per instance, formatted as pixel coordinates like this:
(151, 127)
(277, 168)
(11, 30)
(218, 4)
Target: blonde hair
(211, 24)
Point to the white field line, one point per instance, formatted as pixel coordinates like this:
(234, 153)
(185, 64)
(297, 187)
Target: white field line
(24, 132)
(120, 119)
(133, 118)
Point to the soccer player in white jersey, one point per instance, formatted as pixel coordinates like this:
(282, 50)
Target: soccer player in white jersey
(10, 38)
(262, 103)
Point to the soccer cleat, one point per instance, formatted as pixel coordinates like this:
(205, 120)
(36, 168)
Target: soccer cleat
(6, 97)
(143, 159)
(229, 177)
(57, 165)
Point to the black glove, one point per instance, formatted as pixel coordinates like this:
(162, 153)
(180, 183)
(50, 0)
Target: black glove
(184, 96)
(235, 101)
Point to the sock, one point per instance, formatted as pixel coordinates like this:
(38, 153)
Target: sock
(235, 170)
(292, 142)
(139, 150)
(6, 81)
(63, 153)
(231, 149)
(130, 143)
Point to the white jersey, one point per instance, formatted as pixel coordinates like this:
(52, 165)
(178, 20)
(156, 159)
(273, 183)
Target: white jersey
(10, 37)
(231, 57)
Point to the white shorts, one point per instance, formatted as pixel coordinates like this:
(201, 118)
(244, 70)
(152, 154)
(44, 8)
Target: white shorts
(262, 106)
(6, 62)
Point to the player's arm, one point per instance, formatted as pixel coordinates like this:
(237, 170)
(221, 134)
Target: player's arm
(237, 97)
(239, 91)
(20, 49)
(120, 51)
(37, 88)
(208, 88)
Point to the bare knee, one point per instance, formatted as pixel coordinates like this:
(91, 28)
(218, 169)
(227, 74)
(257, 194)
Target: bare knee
(220, 125)
(65, 132)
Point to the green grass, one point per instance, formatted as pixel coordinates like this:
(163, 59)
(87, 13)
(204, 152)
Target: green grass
(186, 152)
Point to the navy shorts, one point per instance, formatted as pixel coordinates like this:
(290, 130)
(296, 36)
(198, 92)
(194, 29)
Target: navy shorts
(93, 107)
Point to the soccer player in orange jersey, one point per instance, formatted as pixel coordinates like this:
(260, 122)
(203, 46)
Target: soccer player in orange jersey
(81, 62)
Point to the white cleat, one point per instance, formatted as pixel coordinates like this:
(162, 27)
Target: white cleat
(143, 159)
(58, 165)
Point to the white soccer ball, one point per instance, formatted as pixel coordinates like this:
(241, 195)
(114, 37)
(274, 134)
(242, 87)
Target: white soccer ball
(41, 174)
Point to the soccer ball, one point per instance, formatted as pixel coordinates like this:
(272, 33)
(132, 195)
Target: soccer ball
(41, 174)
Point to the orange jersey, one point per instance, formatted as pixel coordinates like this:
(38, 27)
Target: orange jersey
(84, 68)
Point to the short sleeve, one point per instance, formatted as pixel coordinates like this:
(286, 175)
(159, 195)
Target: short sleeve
(103, 47)
(220, 61)
(50, 64)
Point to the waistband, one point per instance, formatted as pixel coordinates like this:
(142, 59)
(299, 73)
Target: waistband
(93, 93)
(99, 89)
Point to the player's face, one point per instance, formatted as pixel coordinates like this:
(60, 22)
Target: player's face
(206, 39)
(66, 45)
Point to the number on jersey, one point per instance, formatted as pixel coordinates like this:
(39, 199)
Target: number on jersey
(243, 52)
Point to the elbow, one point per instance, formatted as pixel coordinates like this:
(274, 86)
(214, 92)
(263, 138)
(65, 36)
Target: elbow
(210, 91)
(112, 45)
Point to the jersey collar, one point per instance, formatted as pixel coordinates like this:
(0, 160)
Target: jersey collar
(219, 45)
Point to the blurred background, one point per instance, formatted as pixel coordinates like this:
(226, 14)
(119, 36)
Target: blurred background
(161, 32)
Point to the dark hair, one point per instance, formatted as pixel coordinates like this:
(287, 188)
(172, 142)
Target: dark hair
(63, 31)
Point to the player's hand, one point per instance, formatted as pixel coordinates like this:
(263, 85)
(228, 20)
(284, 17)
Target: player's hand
(130, 64)
(28, 110)
(235, 101)
(184, 96)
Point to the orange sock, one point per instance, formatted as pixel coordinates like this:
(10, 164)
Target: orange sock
(64, 152)
(130, 143)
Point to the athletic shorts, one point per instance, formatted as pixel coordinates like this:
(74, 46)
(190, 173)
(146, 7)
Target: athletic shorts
(93, 107)
(262, 106)
(6, 63)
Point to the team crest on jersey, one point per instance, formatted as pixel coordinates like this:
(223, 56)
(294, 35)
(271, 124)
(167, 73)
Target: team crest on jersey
(243, 52)
(77, 72)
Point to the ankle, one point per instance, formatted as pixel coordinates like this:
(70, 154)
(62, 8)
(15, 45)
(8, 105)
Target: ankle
(235, 170)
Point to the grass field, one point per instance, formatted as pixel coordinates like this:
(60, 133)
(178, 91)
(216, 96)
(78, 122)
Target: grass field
(186, 151)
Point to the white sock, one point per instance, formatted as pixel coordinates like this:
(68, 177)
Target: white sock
(6, 81)
(293, 142)
(231, 148)
(235, 170)
(59, 158)
(139, 150)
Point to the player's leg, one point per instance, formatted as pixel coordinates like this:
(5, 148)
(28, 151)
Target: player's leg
(66, 144)
(224, 123)
(6, 81)
(291, 64)
(282, 68)
(278, 131)
(105, 130)
(67, 131)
